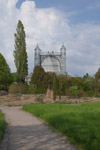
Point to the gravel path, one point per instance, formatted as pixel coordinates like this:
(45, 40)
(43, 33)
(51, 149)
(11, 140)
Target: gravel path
(28, 133)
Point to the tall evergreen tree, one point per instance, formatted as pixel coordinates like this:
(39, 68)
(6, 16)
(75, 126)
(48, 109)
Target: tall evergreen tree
(38, 77)
(20, 54)
(5, 75)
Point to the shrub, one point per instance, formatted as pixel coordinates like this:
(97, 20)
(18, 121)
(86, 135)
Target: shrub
(39, 99)
(2, 125)
(82, 93)
(19, 88)
(74, 91)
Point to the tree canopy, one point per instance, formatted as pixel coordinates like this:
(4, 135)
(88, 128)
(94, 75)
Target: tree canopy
(5, 75)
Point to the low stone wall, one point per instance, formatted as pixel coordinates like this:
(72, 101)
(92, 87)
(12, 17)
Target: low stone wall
(21, 99)
(17, 99)
(18, 96)
(3, 93)
(77, 99)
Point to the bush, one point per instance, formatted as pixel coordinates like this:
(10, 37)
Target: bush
(39, 99)
(82, 93)
(90, 93)
(39, 91)
(74, 91)
(2, 125)
(19, 88)
(31, 89)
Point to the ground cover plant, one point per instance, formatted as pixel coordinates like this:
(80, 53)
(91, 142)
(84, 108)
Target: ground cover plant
(80, 123)
(2, 125)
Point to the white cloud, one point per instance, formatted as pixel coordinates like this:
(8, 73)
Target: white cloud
(11, 4)
(50, 28)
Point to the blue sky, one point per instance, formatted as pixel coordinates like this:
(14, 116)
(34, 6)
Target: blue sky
(86, 10)
(76, 23)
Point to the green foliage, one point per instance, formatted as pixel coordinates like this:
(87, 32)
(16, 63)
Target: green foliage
(23, 88)
(2, 125)
(42, 81)
(74, 91)
(88, 85)
(39, 90)
(55, 86)
(39, 80)
(5, 75)
(82, 93)
(19, 88)
(39, 99)
(61, 85)
(48, 80)
(15, 76)
(20, 54)
(80, 123)
(97, 83)
(38, 76)
(31, 89)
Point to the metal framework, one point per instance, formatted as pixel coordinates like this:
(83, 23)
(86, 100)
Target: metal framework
(50, 61)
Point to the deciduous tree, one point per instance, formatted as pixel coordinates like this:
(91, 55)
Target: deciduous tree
(5, 75)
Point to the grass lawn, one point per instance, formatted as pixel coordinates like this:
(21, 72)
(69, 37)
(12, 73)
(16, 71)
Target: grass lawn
(80, 123)
(2, 125)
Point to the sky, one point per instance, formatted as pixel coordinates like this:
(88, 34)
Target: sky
(50, 23)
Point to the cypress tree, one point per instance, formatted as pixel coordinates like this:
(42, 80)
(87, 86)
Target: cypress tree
(38, 77)
(20, 54)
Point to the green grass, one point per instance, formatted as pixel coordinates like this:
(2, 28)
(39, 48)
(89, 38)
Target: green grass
(2, 125)
(80, 123)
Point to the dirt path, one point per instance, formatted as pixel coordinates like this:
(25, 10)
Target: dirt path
(29, 133)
